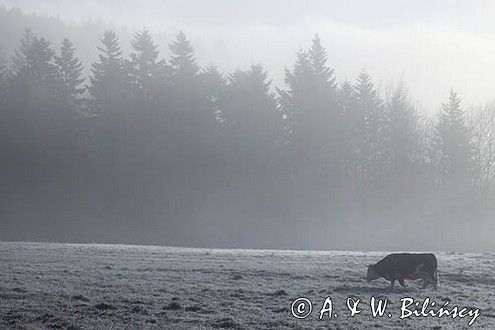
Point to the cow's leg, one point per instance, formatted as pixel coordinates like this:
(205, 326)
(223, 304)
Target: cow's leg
(435, 280)
(401, 282)
(426, 280)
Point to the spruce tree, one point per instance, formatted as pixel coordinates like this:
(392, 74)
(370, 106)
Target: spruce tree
(183, 62)
(347, 109)
(109, 84)
(214, 87)
(187, 97)
(453, 142)
(258, 117)
(310, 105)
(318, 59)
(404, 130)
(69, 78)
(33, 76)
(33, 60)
(294, 100)
(192, 119)
(23, 59)
(146, 70)
(370, 132)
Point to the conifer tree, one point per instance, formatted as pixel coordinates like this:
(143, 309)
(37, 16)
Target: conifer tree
(310, 105)
(183, 62)
(33, 76)
(293, 100)
(258, 117)
(146, 70)
(192, 119)
(188, 100)
(109, 83)
(214, 87)
(370, 132)
(404, 130)
(69, 79)
(33, 60)
(318, 59)
(453, 142)
(347, 108)
(23, 59)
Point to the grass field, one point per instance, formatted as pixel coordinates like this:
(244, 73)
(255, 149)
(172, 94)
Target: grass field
(45, 285)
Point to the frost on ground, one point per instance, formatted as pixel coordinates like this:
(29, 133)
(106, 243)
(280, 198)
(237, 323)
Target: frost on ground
(102, 286)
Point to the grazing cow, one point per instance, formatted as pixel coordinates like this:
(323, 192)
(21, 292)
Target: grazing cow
(411, 266)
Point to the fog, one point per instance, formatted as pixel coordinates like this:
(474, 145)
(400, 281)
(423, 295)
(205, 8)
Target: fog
(435, 46)
(254, 124)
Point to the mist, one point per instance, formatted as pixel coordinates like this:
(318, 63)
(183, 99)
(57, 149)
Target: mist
(287, 124)
(420, 41)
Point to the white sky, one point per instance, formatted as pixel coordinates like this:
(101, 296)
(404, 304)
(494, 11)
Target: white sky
(432, 45)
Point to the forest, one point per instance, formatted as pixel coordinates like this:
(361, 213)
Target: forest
(149, 149)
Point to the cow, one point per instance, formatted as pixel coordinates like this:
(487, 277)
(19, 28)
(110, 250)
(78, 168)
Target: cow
(411, 266)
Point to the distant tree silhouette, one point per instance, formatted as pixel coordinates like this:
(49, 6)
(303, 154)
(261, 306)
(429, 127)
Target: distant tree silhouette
(34, 72)
(453, 142)
(370, 132)
(214, 85)
(190, 110)
(69, 75)
(254, 125)
(147, 71)
(310, 105)
(109, 83)
(183, 62)
(404, 131)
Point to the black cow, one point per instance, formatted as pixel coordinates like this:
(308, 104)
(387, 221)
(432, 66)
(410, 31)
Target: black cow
(411, 266)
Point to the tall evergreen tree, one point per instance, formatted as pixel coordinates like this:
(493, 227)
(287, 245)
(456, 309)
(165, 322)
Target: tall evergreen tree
(69, 78)
(311, 106)
(452, 141)
(256, 120)
(183, 62)
(191, 117)
(214, 86)
(146, 70)
(36, 122)
(404, 130)
(186, 94)
(370, 132)
(294, 99)
(23, 60)
(109, 83)
(325, 75)
(32, 82)
(115, 109)
(346, 102)
(32, 64)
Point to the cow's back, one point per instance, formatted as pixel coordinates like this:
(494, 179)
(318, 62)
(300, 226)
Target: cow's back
(407, 263)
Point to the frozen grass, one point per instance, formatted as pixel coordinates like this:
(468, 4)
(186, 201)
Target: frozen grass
(102, 286)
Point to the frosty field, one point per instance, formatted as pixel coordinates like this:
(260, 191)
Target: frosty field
(117, 286)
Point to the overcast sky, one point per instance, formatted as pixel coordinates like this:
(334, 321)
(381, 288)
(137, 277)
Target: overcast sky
(433, 45)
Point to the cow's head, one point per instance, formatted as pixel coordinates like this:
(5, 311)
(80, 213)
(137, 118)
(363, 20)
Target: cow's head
(372, 273)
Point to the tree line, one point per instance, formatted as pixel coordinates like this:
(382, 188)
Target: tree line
(166, 143)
